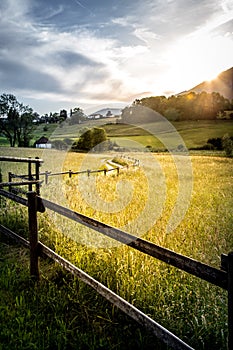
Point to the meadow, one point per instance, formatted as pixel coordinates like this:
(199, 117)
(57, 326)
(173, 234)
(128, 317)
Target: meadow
(62, 313)
(194, 133)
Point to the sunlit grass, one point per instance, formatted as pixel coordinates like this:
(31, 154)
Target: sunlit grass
(193, 309)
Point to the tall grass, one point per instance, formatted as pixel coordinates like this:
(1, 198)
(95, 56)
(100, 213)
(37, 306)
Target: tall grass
(191, 308)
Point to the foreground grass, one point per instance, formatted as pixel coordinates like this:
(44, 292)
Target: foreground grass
(78, 318)
(59, 312)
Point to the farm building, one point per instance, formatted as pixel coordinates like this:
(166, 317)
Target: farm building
(43, 142)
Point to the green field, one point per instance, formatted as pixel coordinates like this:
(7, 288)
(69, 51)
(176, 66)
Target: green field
(62, 313)
(194, 133)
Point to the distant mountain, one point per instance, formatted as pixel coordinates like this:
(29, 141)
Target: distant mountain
(222, 84)
(105, 112)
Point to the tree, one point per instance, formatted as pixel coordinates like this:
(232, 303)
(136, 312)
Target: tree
(98, 137)
(109, 114)
(16, 120)
(77, 116)
(25, 128)
(172, 114)
(63, 115)
(190, 106)
(92, 138)
(138, 114)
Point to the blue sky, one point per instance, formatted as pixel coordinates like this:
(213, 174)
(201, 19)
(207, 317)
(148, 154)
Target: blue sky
(59, 54)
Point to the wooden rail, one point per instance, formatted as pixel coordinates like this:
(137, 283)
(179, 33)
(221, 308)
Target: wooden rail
(21, 160)
(220, 277)
(160, 332)
(88, 172)
(194, 267)
(130, 310)
(30, 161)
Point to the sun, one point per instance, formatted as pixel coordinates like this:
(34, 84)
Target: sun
(194, 60)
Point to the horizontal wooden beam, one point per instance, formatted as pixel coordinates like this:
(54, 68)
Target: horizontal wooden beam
(23, 201)
(14, 197)
(159, 331)
(7, 232)
(20, 183)
(20, 160)
(194, 267)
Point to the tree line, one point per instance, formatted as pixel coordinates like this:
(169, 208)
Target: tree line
(17, 121)
(190, 106)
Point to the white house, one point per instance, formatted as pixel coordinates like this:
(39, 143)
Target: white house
(43, 142)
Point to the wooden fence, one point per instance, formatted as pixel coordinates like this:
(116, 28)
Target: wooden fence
(47, 174)
(220, 277)
(32, 179)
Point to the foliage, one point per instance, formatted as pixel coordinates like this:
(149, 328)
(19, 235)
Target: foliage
(92, 138)
(172, 114)
(227, 143)
(16, 122)
(138, 114)
(191, 106)
(222, 143)
(77, 116)
(216, 142)
(63, 115)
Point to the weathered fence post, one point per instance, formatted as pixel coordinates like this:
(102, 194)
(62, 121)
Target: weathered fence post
(29, 174)
(70, 173)
(33, 234)
(37, 166)
(230, 300)
(46, 177)
(9, 180)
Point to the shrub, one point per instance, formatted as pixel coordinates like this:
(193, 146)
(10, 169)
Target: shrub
(227, 142)
(92, 138)
(216, 142)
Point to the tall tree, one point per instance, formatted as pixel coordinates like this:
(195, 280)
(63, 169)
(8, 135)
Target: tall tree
(77, 116)
(16, 120)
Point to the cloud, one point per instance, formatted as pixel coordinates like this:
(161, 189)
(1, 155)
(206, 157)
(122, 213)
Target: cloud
(92, 50)
(18, 76)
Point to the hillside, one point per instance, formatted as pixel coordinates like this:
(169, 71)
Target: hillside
(222, 84)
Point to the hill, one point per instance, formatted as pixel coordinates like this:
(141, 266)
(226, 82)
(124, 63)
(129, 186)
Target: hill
(222, 84)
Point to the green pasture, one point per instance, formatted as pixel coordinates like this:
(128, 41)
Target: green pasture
(61, 312)
(194, 133)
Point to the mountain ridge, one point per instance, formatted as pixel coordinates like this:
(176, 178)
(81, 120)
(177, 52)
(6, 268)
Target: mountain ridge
(223, 84)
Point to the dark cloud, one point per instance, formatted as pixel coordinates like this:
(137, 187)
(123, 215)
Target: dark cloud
(15, 75)
(72, 59)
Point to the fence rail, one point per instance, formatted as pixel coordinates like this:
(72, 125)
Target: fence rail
(220, 277)
(21, 160)
(194, 267)
(47, 173)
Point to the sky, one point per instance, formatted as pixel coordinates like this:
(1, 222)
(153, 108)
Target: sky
(62, 54)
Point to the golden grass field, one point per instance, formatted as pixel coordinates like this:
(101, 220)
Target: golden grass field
(141, 201)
